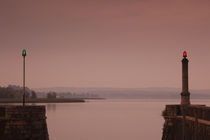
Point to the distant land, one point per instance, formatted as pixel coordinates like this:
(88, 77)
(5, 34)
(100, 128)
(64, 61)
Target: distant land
(126, 93)
(42, 100)
(14, 94)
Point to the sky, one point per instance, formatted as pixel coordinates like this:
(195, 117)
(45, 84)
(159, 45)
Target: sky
(104, 43)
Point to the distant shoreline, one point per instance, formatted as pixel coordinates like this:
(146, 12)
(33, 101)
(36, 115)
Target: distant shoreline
(43, 100)
(94, 98)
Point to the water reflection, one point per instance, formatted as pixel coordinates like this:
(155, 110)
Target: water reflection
(51, 107)
(106, 120)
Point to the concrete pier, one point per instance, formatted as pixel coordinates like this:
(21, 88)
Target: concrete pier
(186, 122)
(23, 123)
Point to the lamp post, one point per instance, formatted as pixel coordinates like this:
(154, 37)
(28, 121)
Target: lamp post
(185, 95)
(24, 55)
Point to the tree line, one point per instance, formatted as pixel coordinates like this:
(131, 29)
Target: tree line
(16, 92)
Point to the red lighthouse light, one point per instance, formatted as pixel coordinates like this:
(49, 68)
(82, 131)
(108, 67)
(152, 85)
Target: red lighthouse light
(185, 54)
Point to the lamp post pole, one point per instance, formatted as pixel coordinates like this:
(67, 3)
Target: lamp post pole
(185, 95)
(24, 55)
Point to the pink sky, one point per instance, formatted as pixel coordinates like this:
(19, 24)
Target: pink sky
(104, 43)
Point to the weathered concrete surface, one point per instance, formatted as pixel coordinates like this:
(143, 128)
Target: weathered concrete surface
(23, 123)
(186, 122)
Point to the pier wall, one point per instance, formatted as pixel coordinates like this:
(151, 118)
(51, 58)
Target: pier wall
(23, 123)
(186, 122)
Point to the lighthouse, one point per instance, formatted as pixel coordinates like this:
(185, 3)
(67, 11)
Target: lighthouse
(185, 95)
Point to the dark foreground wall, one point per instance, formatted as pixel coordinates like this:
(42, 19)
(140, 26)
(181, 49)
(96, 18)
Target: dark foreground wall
(186, 122)
(23, 123)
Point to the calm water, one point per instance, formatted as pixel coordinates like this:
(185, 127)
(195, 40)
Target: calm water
(108, 119)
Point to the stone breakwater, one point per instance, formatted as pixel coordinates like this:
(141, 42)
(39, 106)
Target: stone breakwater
(186, 122)
(23, 123)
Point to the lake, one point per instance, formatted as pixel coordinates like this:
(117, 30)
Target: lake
(112, 119)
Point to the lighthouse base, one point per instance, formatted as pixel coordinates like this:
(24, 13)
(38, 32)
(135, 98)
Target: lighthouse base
(185, 98)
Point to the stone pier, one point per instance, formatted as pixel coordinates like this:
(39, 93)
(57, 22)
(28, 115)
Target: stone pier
(23, 123)
(190, 122)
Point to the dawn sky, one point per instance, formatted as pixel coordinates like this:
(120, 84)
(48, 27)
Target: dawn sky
(104, 43)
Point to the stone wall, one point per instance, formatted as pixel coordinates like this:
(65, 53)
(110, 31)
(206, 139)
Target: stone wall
(23, 123)
(186, 122)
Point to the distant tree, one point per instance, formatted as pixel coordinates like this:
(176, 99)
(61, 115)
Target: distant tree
(33, 94)
(12, 92)
(27, 94)
(51, 95)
